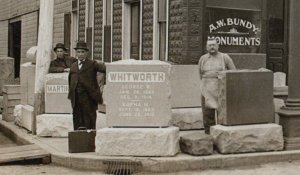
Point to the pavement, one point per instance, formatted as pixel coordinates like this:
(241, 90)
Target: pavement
(58, 148)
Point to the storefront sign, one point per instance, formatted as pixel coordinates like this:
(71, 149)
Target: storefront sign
(235, 30)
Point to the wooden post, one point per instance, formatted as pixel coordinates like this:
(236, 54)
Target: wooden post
(43, 57)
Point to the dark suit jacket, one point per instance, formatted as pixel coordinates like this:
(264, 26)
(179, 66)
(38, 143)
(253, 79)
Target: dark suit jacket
(58, 65)
(87, 76)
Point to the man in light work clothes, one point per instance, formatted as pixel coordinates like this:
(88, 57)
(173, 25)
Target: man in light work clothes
(84, 91)
(209, 66)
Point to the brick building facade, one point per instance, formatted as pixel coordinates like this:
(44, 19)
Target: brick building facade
(168, 30)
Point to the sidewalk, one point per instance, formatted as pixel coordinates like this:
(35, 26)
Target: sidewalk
(58, 147)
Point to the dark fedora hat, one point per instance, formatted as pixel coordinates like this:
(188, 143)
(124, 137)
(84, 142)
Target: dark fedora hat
(60, 45)
(81, 45)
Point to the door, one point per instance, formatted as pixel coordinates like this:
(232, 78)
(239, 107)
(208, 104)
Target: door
(277, 47)
(14, 50)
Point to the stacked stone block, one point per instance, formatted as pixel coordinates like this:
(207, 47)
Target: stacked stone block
(11, 98)
(246, 113)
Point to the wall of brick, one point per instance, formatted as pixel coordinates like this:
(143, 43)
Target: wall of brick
(81, 25)
(192, 31)
(98, 22)
(29, 33)
(3, 38)
(117, 30)
(175, 30)
(13, 8)
(147, 34)
(60, 8)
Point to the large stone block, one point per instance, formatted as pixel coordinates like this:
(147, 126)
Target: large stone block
(197, 144)
(57, 88)
(185, 86)
(54, 125)
(247, 138)
(249, 60)
(187, 118)
(6, 71)
(138, 93)
(245, 97)
(27, 117)
(137, 141)
(27, 79)
(31, 54)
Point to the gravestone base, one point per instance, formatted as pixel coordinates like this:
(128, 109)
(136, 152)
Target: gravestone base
(54, 125)
(137, 141)
(196, 144)
(187, 118)
(247, 138)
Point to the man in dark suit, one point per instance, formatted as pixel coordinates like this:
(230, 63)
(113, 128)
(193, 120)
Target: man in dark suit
(62, 63)
(84, 91)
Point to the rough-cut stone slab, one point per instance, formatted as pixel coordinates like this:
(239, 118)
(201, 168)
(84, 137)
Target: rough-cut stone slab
(137, 141)
(6, 71)
(18, 114)
(101, 121)
(247, 138)
(27, 80)
(54, 125)
(187, 118)
(57, 88)
(138, 93)
(245, 97)
(185, 86)
(31, 54)
(197, 144)
(27, 115)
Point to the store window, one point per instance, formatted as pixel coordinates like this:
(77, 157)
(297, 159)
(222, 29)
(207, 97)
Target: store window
(162, 24)
(236, 25)
(135, 30)
(107, 31)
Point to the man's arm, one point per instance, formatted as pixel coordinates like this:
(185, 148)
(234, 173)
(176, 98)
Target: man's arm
(55, 69)
(229, 63)
(100, 66)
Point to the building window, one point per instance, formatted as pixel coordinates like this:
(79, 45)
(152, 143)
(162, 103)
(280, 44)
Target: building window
(162, 24)
(236, 25)
(135, 31)
(107, 30)
(89, 26)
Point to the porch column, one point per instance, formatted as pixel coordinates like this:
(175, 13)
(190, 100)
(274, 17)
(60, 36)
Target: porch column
(43, 58)
(290, 113)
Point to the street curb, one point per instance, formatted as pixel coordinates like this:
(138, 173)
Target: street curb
(182, 162)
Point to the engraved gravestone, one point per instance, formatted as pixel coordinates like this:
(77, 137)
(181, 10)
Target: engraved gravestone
(138, 94)
(56, 94)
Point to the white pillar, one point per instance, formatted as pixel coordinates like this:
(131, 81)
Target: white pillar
(43, 58)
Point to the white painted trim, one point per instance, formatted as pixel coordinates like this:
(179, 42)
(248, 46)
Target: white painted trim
(111, 33)
(167, 32)
(141, 30)
(103, 23)
(74, 32)
(126, 11)
(155, 53)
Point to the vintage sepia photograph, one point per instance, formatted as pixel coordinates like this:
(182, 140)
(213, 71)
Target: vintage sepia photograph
(144, 87)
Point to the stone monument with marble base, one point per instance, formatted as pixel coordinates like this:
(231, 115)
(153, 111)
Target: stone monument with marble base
(138, 110)
(246, 113)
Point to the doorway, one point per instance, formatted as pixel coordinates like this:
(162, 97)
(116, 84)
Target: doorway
(277, 47)
(14, 46)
